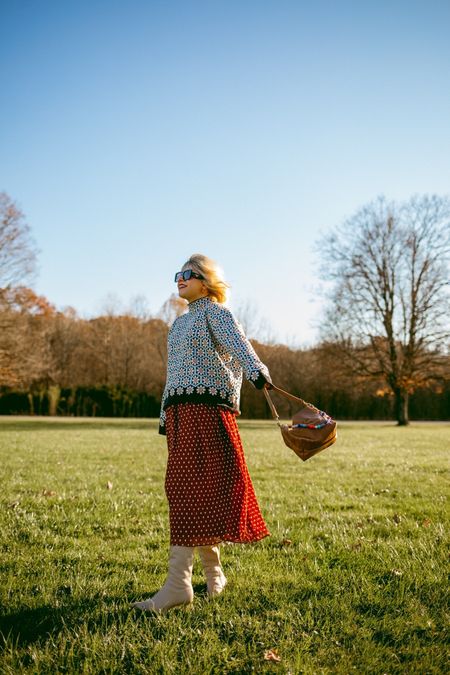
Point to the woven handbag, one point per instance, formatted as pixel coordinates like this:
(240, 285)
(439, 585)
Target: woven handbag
(311, 431)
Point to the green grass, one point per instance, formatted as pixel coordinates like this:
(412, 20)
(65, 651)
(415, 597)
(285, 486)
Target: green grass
(351, 580)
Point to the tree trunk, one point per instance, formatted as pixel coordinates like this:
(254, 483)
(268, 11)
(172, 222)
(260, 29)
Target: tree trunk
(401, 406)
(54, 393)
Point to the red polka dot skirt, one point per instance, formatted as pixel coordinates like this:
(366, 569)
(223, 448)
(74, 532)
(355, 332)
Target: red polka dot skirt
(208, 487)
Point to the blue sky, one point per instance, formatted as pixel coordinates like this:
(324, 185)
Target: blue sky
(133, 134)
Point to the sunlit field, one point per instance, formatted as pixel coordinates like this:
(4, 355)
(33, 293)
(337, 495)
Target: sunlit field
(352, 578)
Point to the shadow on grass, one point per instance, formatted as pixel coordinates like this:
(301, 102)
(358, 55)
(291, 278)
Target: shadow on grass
(29, 626)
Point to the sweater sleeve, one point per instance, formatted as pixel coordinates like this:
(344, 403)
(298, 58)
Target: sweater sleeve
(162, 416)
(229, 333)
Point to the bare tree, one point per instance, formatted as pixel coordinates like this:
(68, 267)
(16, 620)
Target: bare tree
(255, 327)
(248, 316)
(172, 309)
(139, 307)
(17, 248)
(389, 309)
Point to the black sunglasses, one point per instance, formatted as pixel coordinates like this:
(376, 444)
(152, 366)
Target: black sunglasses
(186, 275)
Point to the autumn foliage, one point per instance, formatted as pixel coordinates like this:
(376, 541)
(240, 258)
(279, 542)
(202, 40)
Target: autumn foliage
(55, 362)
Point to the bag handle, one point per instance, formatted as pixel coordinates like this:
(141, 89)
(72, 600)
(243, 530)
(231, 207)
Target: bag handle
(272, 407)
(291, 396)
(287, 395)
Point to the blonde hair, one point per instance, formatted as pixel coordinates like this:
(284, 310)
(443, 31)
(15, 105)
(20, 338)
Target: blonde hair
(213, 276)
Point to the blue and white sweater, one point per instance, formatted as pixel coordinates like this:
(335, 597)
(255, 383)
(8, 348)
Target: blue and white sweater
(207, 355)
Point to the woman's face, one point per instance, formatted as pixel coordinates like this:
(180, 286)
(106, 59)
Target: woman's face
(192, 289)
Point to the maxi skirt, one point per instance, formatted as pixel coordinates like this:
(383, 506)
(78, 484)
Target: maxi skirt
(208, 487)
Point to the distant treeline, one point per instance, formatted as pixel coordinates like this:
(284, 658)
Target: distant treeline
(56, 363)
(116, 402)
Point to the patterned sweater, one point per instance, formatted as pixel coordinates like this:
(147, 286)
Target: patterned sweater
(207, 355)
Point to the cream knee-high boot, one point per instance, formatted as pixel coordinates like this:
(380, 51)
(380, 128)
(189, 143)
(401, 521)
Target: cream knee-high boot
(177, 589)
(215, 578)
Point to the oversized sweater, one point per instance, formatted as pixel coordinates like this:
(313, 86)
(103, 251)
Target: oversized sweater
(208, 353)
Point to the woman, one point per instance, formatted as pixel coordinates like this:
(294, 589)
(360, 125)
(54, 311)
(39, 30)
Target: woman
(208, 487)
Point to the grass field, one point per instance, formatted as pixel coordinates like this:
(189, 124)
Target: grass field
(351, 580)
